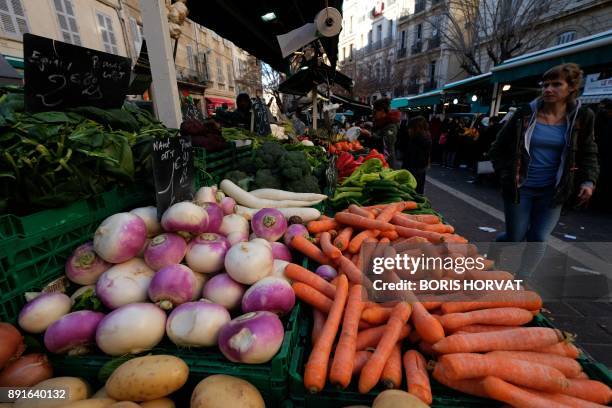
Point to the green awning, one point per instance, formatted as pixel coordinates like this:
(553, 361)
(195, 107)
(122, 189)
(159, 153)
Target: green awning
(15, 62)
(398, 103)
(468, 84)
(425, 99)
(588, 52)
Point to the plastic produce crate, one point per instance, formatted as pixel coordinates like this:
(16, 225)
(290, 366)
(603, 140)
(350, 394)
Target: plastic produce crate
(270, 378)
(210, 168)
(35, 247)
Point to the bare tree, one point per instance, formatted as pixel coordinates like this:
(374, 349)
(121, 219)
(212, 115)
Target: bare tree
(250, 76)
(501, 28)
(376, 75)
(271, 79)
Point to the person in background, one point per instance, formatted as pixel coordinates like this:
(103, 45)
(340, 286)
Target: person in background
(451, 143)
(242, 115)
(603, 138)
(298, 125)
(435, 129)
(417, 150)
(384, 132)
(545, 156)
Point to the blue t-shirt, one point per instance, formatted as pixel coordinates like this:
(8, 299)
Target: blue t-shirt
(545, 149)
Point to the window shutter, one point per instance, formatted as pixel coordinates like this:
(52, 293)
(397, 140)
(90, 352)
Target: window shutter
(136, 34)
(12, 18)
(67, 21)
(108, 35)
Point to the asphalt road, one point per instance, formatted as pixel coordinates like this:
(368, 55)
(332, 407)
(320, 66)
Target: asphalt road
(576, 289)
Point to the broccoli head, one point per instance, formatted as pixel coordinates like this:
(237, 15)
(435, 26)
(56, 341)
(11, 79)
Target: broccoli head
(307, 184)
(268, 155)
(265, 178)
(239, 178)
(294, 166)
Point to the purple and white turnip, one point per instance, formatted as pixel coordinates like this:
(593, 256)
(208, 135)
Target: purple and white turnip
(120, 237)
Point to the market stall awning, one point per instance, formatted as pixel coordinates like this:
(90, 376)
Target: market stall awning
(355, 107)
(468, 84)
(302, 81)
(398, 103)
(241, 22)
(425, 99)
(589, 52)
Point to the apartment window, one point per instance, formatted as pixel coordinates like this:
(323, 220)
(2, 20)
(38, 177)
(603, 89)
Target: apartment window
(350, 51)
(350, 24)
(109, 40)
(343, 53)
(230, 75)
(220, 78)
(190, 57)
(403, 40)
(390, 29)
(64, 9)
(432, 71)
(418, 32)
(389, 69)
(566, 37)
(379, 32)
(136, 34)
(435, 28)
(370, 37)
(12, 18)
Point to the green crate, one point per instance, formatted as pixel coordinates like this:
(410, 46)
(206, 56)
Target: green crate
(270, 378)
(36, 255)
(210, 168)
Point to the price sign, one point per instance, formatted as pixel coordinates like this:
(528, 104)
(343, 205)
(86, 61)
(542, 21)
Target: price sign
(172, 171)
(59, 75)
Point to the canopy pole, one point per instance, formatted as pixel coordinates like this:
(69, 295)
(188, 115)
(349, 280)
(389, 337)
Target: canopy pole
(315, 111)
(495, 100)
(165, 90)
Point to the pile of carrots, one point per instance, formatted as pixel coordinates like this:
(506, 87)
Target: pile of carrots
(479, 347)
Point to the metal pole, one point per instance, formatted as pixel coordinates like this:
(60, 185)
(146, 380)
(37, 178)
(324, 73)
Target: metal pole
(495, 100)
(315, 112)
(165, 90)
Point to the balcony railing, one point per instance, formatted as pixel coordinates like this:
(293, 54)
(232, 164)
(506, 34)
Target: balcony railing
(434, 42)
(388, 41)
(419, 6)
(401, 53)
(191, 75)
(416, 48)
(430, 85)
(376, 45)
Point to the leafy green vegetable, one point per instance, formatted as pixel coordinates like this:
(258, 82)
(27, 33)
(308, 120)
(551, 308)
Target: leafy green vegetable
(266, 178)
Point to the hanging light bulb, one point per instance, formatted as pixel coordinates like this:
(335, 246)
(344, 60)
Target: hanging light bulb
(474, 98)
(455, 101)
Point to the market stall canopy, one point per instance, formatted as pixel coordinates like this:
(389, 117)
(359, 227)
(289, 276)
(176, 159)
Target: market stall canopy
(356, 107)
(588, 52)
(398, 103)
(468, 84)
(253, 25)
(302, 81)
(424, 99)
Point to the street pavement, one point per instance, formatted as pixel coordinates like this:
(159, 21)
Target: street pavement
(475, 209)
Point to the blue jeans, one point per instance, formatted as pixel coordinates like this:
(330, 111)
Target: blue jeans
(533, 219)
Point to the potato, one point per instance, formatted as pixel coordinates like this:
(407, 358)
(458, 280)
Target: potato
(397, 399)
(76, 390)
(159, 403)
(101, 393)
(124, 404)
(224, 391)
(147, 378)
(92, 403)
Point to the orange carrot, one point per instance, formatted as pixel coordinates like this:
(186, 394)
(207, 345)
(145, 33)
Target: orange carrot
(297, 273)
(391, 375)
(589, 390)
(321, 225)
(471, 387)
(477, 274)
(312, 297)
(365, 326)
(441, 228)
(328, 248)
(407, 205)
(464, 366)
(388, 212)
(416, 376)
(391, 235)
(357, 241)
(342, 240)
(427, 348)
(431, 305)
(315, 373)
(350, 270)
(355, 209)
(481, 328)
(429, 327)
(376, 315)
(506, 316)
(344, 357)
(301, 244)
(433, 237)
(361, 358)
(567, 400)
(517, 397)
(404, 221)
(522, 338)
(583, 376)
(563, 348)
(371, 372)
(523, 299)
(370, 337)
(458, 239)
(569, 367)
(357, 221)
(426, 218)
(318, 319)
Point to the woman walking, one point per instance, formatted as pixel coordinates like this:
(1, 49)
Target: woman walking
(417, 150)
(545, 156)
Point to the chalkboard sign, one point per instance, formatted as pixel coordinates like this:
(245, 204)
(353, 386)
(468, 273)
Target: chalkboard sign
(59, 75)
(262, 123)
(172, 171)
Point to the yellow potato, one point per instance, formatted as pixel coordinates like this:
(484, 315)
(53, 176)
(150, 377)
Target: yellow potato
(92, 403)
(76, 389)
(224, 391)
(124, 404)
(101, 393)
(159, 403)
(397, 399)
(147, 378)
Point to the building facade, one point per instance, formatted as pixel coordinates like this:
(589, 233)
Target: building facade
(204, 61)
